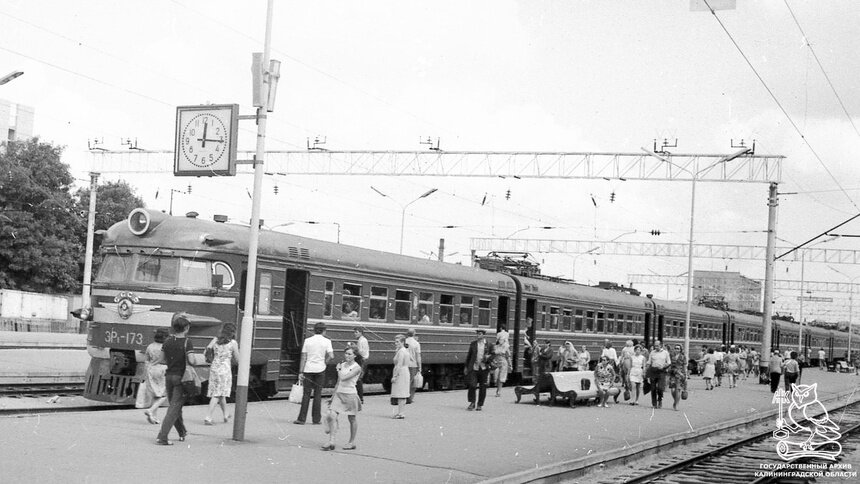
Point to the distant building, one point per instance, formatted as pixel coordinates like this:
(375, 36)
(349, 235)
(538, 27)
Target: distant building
(16, 121)
(739, 293)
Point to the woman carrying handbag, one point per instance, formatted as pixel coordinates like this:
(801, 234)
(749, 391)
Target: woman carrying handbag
(224, 352)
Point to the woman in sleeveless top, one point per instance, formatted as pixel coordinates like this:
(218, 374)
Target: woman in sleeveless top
(225, 351)
(345, 399)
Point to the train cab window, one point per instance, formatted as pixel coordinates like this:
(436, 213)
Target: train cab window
(565, 320)
(601, 322)
(446, 309)
(577, 318)
(610, 319)
(378, 302)
(466, 310)
(351, 305)
(264, 298)
(226, 274)
(194, 273)
(402, 305)
(483, 312)
(158, 270)
(553, 317)
(425, 307)
(328, 298)
(589, 321)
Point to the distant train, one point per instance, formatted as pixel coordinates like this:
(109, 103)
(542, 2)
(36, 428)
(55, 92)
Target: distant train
(154, 265)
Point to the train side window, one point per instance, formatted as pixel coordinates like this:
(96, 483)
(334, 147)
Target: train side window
(466, 306)
(446, 309)
(264, 298)
(553, 317)
(577, 325)
(610, 318)
(222, 269)
(483, 312)
(402, 305)
(378, 302)
(351, 305)
(328, 298)
(425, 307)
(681, 328)
(543, 317)
(589, 321)
(629, 323)
(601, 321)
(565, 319)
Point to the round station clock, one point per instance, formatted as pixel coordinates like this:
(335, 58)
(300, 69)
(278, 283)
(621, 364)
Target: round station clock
(206, 140)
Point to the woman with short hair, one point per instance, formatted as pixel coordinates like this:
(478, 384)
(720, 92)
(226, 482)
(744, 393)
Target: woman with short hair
(400, 376)
(225, 351)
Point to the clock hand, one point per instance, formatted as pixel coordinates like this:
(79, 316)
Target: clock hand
(203, 139)
(215, 140)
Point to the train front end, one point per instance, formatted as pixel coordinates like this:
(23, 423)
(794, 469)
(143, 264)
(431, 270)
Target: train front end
(147, 273)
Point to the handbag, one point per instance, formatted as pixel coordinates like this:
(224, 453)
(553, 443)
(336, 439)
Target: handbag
(683, 394)
(296, 392)
(190, 382)
(209, 354)
(626, 395)
(646, 387)
(419, 381)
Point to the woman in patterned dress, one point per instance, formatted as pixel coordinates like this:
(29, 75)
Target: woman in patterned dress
(604, 376)
(155, 386)
(731, 363)
(226, 350)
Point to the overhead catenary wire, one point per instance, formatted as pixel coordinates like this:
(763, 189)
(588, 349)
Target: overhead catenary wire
(781, 107)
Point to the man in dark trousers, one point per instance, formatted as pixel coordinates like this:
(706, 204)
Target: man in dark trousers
(477, 369)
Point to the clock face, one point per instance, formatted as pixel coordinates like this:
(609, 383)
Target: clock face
(203, 139)
(206, 140)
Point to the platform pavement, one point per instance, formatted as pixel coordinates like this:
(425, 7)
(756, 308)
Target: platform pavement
(439, 441)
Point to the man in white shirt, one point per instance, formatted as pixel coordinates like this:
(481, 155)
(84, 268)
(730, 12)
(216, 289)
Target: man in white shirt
(414, 348)
(316, 353)
(822, 360)
(658, 364)
(363, 350)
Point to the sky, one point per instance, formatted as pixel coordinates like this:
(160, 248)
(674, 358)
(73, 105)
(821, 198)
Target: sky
(574, 76)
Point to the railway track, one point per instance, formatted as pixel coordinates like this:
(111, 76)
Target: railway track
(41, 389)
(746, 460)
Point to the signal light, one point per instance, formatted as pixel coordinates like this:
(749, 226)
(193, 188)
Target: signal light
(508, 194)
(84, 314)
(612, 197)
(655, 232)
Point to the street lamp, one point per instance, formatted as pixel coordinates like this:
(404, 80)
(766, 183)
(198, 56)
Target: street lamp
(404, 207)
(577, 256)
(12, 75)
(693, 176)
(850, 308)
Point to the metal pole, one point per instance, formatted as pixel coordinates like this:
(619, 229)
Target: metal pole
(850, 314)
(770, 262)
(247, 329)
(88, 257)
(403, 226)
(690, 268)
(800, 327)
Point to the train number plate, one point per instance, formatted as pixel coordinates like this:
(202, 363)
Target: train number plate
(122, 336)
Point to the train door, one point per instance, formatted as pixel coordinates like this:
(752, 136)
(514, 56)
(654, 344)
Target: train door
(731, 330)
(830, 354)
(646, 337)
(724, 334)
(660, 323)
(502, 314)
(295, 318)
(268, 317)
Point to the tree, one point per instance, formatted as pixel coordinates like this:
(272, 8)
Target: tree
(39, 249)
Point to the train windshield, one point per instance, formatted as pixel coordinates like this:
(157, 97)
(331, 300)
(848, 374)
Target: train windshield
(157, 271)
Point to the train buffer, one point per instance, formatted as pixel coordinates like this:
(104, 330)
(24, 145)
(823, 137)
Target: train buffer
(573, 386)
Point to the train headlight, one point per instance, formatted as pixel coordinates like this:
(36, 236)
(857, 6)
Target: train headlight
(138, 221)
(84, 314)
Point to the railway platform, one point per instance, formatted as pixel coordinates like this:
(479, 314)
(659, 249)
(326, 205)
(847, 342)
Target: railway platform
(438, 441)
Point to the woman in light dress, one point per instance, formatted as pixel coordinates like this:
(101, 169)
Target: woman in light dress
(637, 369)
(154, 387)
(731, 362)
(500, 362)
(710, 371)
(400, 376)
(226, 351)
(345, 399)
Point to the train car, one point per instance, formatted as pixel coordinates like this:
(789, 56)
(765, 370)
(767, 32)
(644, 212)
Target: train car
(154, 265)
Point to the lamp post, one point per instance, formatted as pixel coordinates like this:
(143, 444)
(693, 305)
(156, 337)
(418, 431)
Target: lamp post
(404, 207)
(850, 307)
(577, 256)
(694, 175)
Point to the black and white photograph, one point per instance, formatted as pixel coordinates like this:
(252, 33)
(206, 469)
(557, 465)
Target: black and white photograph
(447, 242)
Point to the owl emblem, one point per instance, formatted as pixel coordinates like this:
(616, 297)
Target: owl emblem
(806, 429)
